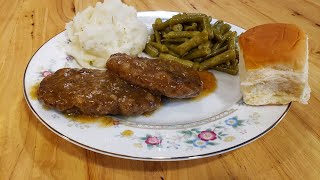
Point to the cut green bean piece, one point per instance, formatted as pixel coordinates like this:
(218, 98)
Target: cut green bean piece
(196, 53)
(166, 30)
(225, 28)
(217, 22)
(177, 27)
(207, 44)
(216, 60)
(152, 51)
(217, 34)
(212, 54)
(226, 35)
(193, 42)
(160, 47)
(195, 66)
(221, 42)
(232, 41)
(193, 27)
(175, 41)
(218, 25)
(161, 26)
(227, 70)
(207, 27)
(157, 36)
(173, 53)
(186, 18)
(181, 34)
(175, 59)
(172, 48)
(158, 21)
(152, 38)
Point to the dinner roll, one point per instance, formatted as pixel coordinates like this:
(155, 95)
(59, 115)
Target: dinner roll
(273, 64)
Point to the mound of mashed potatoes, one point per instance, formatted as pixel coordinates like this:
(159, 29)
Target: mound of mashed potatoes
(108, 28)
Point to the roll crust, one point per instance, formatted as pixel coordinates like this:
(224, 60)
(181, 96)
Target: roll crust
(277, 46)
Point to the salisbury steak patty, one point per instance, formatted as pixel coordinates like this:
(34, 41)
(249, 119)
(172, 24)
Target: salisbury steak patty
(163, 77)
(94, 92)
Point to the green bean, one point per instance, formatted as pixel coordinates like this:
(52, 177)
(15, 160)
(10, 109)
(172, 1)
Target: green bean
(237, 56)
(193, 42)
(196, 53)
(160, 26)
(230, 66)
(235, 62)
(217, 34)
(192, 14)
(195, 66)
(210, 19)
(212, 54)
(177, 27)
(175, 41)
(157, 36)
(220, 43)
(175, 59)
(226, 35)
(186, 18)
(207, 27)
(207, 44)
(193, 27)
(216, 46)
(232, 41)
(225, 28)
(178, 15)
(152, 38)
(160, 47)
(220, 50)
(170, 45)
(158, 21)
(181, 34)
(231, 46)
(227, 63)
(173, 53)
(227, 70)
(172, 48)
(218, 24)
(152, 51)
(166, 30)
(216, 60)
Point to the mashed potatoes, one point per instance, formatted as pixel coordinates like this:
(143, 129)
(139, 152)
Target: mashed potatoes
(108, 28)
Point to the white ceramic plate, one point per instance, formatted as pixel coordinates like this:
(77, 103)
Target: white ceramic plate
(179, 130)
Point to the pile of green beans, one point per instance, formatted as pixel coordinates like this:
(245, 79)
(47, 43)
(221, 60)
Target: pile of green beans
(191, 40)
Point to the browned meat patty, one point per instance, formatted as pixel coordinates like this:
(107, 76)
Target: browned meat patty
(94, 92)
(163, 77)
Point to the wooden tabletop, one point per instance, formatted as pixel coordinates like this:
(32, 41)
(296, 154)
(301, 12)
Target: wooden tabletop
(28, 150)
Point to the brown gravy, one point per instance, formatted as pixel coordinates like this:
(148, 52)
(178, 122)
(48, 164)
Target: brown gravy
(34, 91)
(105, 121)
(209, 84)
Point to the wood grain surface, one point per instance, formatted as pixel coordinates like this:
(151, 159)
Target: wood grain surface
(28, 150)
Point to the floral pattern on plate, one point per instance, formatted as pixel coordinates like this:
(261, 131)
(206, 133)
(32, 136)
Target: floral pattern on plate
(225, 131)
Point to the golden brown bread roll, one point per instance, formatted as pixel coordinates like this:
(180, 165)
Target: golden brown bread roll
(274, 64)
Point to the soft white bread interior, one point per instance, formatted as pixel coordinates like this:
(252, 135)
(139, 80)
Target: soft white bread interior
(274, 64)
